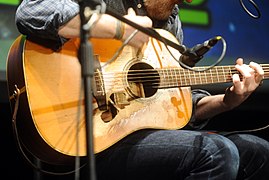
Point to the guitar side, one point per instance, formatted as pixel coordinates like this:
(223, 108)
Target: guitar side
(24, 125)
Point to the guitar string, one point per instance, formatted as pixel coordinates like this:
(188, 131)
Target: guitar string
(184, 82)
(143, 72)
(221, 77)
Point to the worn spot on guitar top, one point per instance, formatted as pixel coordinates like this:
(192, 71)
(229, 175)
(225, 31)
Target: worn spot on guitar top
(177, 102)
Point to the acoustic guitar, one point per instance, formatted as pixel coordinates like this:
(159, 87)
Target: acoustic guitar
(133, 90)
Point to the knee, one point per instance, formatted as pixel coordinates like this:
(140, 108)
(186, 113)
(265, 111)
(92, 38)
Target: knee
(223, 147)
(225, 156)
(254, 156)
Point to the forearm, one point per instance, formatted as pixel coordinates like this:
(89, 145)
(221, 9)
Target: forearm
(210, 106)
(99, 30)
(62, 22)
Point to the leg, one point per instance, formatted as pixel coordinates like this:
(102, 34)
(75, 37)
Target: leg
(254, 156)
(165, 154)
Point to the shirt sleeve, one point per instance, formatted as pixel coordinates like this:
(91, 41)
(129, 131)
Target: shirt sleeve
(44, 17)
(174, 25)
(197, 95)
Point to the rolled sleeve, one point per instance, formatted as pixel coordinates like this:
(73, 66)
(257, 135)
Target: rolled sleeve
(174, 25)
(44, 17)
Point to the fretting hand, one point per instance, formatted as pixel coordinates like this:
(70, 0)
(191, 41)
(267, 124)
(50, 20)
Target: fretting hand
(252, 76)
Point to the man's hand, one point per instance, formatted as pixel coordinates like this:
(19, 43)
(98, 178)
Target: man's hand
(140, 38)
(251, 77)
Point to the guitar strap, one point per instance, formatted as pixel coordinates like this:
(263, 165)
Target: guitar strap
(16, 97)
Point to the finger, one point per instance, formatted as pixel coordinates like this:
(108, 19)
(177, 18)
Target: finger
(247, 73)
(259, 72)
(245, 70)
(131, 12)
(236, 81)
(236, 78)
(239, 61)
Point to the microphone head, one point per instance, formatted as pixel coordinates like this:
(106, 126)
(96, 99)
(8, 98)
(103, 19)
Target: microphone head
(190, 58)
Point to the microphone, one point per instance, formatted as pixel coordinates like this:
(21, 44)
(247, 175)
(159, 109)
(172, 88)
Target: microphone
(193, 55)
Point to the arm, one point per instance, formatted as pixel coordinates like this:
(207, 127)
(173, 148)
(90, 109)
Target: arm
(105, 27)
(42, 19)
(61, 22)
(210, 106)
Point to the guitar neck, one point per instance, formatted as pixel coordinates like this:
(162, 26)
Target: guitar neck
(178, 77)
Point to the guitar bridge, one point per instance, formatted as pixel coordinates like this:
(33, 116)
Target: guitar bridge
(121, 100)
(98, 88)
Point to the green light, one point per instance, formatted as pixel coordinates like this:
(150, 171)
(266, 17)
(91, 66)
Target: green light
(195, 17)
(196, 2)
(10, 2)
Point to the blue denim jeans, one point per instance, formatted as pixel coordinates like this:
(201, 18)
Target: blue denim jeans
(169, 155)
(254, 156)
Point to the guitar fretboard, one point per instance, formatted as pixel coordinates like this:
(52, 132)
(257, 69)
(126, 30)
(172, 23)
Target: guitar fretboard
(177, 77)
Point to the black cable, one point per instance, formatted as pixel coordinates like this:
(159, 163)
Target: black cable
(204, 69)
(21, 148)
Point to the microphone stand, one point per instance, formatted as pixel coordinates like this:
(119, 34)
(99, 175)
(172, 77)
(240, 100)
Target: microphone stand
(86, 58)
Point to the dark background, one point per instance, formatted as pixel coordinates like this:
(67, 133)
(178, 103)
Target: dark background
(246, 37)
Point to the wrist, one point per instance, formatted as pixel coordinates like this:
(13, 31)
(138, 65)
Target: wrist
(228, 100)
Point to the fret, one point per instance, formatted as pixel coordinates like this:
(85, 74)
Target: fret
(205, 77)
(221, 75)
(194, 77)
(171, 79)
(164, 77)
(199, 76)
(175, 77)
(190, 78)
(227, 74)
(217, 74)
(212, 80)
(162, 80)
(172, 74)
(185, 77)
(230, 74)
(167, 77)
(180, 77)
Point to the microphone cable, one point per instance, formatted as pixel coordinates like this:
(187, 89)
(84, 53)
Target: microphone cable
(205, 68)
(248, 12)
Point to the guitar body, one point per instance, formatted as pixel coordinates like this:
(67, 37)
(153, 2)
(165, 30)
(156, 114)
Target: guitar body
(51, 113)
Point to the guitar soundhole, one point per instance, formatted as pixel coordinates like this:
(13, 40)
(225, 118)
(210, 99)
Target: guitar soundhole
(143, 80)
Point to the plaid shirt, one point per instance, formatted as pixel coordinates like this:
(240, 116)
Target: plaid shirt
(43, 18)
